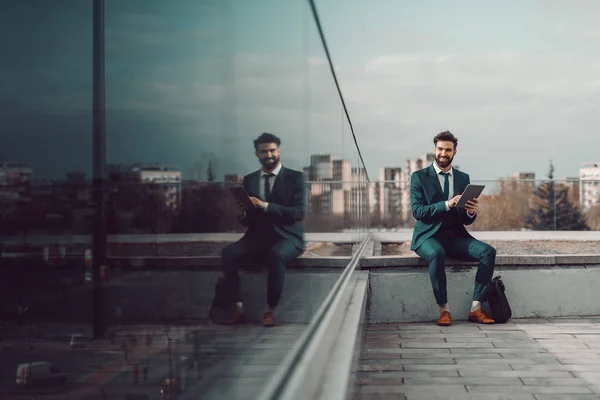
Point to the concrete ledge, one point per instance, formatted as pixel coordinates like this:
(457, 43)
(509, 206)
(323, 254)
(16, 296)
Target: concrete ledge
(210, 262)
(402, 235)
(406, 263)
(517, 260)
(338, 237)
(369, 262)
(406, 295)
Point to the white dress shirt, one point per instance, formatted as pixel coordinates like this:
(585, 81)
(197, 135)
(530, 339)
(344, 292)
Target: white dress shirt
(261, 186)
(451, 181)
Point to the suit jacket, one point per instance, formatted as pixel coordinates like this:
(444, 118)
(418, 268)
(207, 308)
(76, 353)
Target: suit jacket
(286, 207)
(429, 206)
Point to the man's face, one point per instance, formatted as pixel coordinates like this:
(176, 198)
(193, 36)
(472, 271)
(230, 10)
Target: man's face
(444, 153)
(268, 154)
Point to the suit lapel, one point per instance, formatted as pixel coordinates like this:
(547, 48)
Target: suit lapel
(455, 183)
(436, 181)
(254, 184)
(458, 182)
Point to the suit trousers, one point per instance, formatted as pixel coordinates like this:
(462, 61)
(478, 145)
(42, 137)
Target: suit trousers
(445, 243)
(272, 249)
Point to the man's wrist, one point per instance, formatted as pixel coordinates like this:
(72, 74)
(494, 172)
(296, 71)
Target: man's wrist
(266, 205)
(447, 205)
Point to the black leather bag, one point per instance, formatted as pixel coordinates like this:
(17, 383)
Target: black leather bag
(497, 301)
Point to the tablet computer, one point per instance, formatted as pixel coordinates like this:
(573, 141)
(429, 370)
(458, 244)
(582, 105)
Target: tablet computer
(242, 196)
(471, 192)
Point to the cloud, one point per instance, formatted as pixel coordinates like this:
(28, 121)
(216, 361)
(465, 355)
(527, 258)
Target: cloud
(396, 101)
(577, 20)
(255, 81)
(488, 83)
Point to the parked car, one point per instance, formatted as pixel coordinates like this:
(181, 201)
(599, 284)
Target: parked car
(39, 373)
(77, 341)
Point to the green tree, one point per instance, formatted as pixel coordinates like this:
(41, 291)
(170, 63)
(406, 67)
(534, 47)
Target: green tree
(552, 210)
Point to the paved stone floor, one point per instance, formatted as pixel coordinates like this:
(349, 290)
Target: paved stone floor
(543, 359)
(211, 361)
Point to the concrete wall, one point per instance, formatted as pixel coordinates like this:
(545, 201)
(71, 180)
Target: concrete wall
(153, 296)
(188, 294)
(406, 296)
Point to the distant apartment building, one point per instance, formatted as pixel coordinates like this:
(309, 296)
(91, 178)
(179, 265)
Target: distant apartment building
(389, 191)
(330, 186)
(320, 170)
(589, 185)
(233, 180)
(518, 181)
(361, 195)
(14, 173)
(321, 167)
(572, 184)
(342, 174)
(156, 174)
(411, 166)
(307, 172)
(43, 187)
(15, 178)
(374, 194)
(167, 179)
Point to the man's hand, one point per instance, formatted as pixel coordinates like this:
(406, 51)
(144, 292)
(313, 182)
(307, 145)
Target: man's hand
(453, 201)
(258, 203)
(472, 206)
(241, 207)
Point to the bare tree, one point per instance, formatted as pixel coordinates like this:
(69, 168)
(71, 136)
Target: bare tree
(505, 210)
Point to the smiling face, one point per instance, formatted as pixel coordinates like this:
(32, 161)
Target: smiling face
(268, 154)
(444, 154)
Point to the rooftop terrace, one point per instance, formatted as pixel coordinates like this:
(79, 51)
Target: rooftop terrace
(367, 331)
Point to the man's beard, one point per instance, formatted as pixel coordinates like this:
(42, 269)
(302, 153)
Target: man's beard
(269, 163)
(443, 163)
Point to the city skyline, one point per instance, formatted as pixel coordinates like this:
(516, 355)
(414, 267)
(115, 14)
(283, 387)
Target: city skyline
(199, 168)
(203, 79)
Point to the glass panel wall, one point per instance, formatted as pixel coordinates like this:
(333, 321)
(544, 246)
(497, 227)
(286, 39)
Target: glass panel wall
(45, 192)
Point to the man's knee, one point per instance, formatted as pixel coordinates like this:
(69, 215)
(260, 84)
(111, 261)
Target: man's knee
(280, 256)
(438, 256)
(231, 253)
(488, 255)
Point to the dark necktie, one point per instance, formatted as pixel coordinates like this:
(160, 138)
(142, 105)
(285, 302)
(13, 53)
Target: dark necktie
(267, 186)
(446, 184)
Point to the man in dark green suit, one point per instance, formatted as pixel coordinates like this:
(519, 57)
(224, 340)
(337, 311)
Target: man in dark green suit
(440, 227)
(275, 233)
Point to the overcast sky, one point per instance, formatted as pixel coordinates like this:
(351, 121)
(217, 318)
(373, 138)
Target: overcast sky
(517, 81)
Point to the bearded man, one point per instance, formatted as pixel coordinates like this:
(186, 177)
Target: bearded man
(440, 228)
(275, 233)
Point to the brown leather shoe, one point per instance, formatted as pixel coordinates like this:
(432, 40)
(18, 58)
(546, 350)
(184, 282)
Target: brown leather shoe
(445, 318)
(480, 317)
(268, 319)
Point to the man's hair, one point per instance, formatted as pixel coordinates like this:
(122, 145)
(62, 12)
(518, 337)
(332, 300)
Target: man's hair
(447, 137)
(266, 138)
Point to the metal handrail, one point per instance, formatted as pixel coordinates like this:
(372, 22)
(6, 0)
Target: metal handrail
(277, 386)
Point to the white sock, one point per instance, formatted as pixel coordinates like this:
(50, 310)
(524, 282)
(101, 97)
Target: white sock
(476, 306)
(444, 307)
(239, 306)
